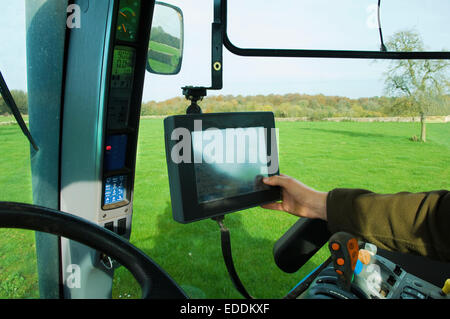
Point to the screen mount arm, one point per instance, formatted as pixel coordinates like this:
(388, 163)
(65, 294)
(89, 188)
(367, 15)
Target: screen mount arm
(197, 93)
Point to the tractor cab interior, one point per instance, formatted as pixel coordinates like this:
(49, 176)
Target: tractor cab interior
(87, 63)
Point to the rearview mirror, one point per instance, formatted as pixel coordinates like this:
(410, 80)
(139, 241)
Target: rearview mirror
(165, 49)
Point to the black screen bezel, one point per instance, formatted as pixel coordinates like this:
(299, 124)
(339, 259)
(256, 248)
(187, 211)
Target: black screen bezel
(192, 210)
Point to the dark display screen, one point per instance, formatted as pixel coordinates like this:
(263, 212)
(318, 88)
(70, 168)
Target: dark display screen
(229, 162)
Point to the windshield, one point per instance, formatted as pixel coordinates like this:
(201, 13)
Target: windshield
(336, 25)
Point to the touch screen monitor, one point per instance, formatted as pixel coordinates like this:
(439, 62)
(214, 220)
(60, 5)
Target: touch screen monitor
(216, 163)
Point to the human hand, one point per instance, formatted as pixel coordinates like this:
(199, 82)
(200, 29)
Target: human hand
(297, 198)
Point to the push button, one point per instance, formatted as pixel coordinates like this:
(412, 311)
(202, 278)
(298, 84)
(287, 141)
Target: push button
(391, 280)
(110, 226)
(335, 246)
(404, 295)
(413, 292)
(122, 226)
(398, 270)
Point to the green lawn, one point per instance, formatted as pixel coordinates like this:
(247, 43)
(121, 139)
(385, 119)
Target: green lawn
(376, 156)
(164, 48)
(10, 118)
(164, 67)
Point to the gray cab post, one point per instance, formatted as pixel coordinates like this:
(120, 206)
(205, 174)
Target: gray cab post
(86, 66)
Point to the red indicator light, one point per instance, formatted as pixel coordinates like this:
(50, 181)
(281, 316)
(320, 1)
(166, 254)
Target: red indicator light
(108, 148)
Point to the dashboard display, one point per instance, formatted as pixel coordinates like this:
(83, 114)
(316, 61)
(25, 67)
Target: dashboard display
(123, 60)
(123, 67)
(128, 20)
(115, 189)
(121, 87)
(241, 174)
(216, 162)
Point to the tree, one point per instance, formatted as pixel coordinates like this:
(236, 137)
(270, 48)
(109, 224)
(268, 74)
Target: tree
(419, 84)
(21, 99)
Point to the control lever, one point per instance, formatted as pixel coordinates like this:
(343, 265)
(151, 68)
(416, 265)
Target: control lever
(344, 253)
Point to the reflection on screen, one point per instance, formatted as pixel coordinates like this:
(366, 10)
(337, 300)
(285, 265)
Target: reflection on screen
(229, 162)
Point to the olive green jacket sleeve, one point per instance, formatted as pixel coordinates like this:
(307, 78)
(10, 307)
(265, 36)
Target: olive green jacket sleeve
(415, 223)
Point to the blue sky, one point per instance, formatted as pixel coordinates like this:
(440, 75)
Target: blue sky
(318, 24)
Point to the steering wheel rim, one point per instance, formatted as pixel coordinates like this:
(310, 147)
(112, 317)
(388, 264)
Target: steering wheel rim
(154, 281)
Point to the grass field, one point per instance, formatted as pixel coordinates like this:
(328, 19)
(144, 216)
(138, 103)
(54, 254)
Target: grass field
(10, 118)
(164, 67)
(375, 156)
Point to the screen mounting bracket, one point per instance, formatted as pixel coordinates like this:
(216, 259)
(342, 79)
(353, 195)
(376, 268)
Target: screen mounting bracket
(197, 93)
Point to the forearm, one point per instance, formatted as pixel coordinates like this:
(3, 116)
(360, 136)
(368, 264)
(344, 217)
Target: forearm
(405, 222)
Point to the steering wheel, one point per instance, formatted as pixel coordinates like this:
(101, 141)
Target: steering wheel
(154, 281)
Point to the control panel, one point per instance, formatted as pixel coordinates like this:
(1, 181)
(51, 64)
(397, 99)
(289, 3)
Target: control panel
(105, 66)
(372, 277)
(122, 120)
(396, 283)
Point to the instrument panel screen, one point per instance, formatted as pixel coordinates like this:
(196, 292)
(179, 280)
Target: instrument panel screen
(123, 66)
(234, 168)
(115, 189)
(121, 87)
(128, 20)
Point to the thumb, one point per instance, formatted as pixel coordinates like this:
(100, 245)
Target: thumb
(275, 180)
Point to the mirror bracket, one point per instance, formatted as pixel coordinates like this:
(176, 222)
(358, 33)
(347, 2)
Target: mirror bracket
(218, 29)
